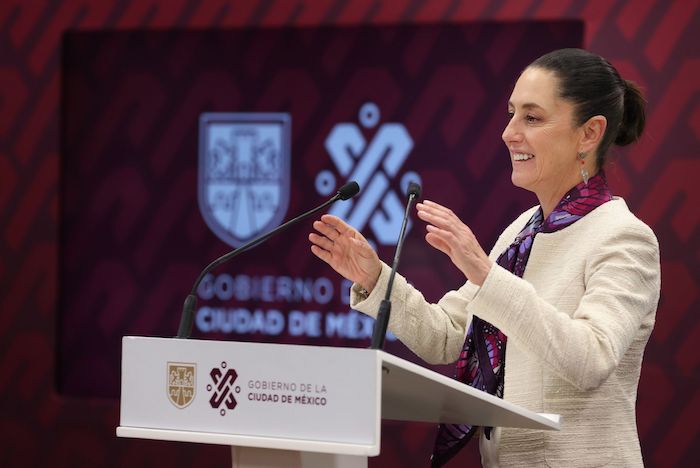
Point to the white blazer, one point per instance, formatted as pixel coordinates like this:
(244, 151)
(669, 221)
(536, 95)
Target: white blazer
(577, 324)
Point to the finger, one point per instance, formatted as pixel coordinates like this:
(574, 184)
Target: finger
(434, 204)
(437, 211)
(445, 241)
(446, 236)
(321, 241)
(322, 254)
(326, 229)
(437, 207)
(443, 216)
(337, 223)
(429, 213)
(438, 243)
(436, 219)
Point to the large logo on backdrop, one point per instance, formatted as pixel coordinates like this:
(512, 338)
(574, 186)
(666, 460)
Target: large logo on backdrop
(182, 377)
(373, 164)
(244, 170)
(223, 389)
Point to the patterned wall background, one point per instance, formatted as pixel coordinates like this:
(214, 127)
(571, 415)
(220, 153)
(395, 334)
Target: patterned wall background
(653, 42)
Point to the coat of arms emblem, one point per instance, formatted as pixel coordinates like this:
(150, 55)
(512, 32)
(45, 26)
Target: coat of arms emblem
(244, 171)
(181, 383)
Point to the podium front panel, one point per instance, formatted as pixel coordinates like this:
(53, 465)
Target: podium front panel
(252, 389)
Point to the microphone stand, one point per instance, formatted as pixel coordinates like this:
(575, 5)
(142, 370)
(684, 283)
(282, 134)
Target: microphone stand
(347, 191)
(380, 326)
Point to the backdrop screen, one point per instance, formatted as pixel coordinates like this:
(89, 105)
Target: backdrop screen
(206, 139)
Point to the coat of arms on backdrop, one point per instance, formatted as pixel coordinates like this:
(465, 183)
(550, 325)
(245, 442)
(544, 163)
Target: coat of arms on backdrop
(244, 173)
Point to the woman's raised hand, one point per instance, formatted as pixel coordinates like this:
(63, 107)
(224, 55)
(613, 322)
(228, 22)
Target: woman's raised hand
(454, 238)
(346, 251)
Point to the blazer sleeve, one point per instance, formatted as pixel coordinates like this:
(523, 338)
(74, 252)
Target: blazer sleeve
(435, 332)
(622, 284)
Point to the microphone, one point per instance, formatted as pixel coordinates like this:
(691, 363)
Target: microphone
(379, 332)
(345, 192)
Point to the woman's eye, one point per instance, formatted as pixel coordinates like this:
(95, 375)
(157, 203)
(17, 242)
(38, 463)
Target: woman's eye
(511, 114)
(531, 118)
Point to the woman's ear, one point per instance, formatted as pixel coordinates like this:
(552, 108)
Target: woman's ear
(592, 133)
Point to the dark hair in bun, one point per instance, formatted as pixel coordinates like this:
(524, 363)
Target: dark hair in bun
(596, 88)
(633, 117)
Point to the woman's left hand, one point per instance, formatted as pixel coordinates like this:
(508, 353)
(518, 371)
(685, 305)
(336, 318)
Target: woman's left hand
(454, 238)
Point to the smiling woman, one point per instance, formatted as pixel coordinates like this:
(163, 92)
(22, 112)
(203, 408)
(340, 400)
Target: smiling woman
(567, 105)
(543, 139)
(570, 289)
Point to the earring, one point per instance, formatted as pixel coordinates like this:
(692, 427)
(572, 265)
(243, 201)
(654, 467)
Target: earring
(584, 171)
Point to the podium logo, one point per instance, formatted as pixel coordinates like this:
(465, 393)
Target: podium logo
(181, 383)
(244, 171)
(373, 164)
(223, 388)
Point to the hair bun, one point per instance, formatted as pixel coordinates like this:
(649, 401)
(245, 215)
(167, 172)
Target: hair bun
(633, 115)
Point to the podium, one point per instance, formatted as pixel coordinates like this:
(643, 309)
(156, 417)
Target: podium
(291, 405)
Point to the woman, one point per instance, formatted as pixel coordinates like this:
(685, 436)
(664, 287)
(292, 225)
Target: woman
(556, 318)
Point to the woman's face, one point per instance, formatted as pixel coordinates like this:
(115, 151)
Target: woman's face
(541, 137)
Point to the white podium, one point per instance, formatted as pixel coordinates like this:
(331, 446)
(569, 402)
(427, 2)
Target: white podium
(291, 406)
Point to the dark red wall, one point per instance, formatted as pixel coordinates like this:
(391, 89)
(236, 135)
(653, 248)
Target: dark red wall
(653, 42)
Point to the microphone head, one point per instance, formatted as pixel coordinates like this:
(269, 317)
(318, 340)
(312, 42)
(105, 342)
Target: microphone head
(348, 190)
(414, 190)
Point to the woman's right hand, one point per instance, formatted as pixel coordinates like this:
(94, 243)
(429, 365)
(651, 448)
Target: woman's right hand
(346, 251)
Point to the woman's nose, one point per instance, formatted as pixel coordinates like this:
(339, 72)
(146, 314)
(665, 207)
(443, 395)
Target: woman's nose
(510, 133)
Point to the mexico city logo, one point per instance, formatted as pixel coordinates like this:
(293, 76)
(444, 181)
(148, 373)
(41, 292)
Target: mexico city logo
(373, 164)
(244, 171)
(222, 388)
(181, 386)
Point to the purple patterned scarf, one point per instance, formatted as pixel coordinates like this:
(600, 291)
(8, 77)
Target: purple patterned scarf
(481, 363)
